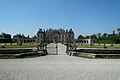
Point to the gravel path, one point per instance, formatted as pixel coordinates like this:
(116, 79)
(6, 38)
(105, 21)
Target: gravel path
(59, 67)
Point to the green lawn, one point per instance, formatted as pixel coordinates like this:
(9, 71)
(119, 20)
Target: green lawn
(115, 46)
(28, 45)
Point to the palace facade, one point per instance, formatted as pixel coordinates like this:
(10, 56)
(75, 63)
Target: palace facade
(55, 36)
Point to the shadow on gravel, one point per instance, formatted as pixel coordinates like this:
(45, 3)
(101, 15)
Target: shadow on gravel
(32, 55)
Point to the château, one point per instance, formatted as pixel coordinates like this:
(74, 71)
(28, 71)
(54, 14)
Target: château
(55, 35)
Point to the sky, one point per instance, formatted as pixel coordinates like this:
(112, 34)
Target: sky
(85, 17)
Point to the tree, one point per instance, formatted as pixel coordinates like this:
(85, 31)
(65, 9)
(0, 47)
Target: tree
(87, 37)
(99, 35)
(94, 36)
(104, 36)
(23, 36)
(17, 35)
(118, 30)
(28, 37)
(113, 32)
(34, 37)
(20, 38)
(81, 37)
(6, 36)
(110, 37)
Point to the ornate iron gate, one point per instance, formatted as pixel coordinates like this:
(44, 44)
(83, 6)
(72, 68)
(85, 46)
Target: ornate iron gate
(52, 48)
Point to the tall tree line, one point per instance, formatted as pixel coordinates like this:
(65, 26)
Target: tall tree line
(113, 37)
(7, 38)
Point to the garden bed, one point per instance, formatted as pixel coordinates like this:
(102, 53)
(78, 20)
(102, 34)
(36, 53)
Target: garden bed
(18, 53)
(96, 53)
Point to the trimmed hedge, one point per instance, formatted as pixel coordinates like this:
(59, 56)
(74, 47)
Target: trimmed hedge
(106, 41)
(14, 51)
(5, 40)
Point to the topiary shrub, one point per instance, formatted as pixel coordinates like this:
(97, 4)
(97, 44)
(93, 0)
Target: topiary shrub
(3, 47)
(105, 46)
(111, 45)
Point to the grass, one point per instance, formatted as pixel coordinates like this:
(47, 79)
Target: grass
(14, 45)
(115, 46)
(28, 45)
